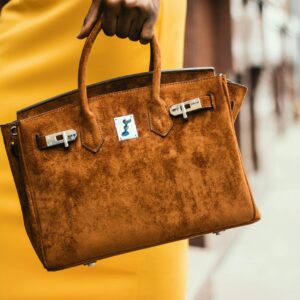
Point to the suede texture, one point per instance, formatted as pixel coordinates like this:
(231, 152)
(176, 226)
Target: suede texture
(102, 197)
(237, 93)
(81, 206)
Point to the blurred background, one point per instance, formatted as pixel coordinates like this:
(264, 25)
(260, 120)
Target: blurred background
(256, 43)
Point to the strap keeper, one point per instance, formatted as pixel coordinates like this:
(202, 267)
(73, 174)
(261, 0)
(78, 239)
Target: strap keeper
(212, 100)
(55, 139)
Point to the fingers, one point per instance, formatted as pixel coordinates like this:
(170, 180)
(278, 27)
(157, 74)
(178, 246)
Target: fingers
(134, 19)
(125, 21)
(147, 31)
(90, 19)
(110, 17)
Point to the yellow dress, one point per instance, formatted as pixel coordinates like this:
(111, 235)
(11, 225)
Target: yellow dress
(38, 59)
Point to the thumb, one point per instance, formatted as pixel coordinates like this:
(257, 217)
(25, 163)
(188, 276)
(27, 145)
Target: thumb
(90, 19)
(147, 31)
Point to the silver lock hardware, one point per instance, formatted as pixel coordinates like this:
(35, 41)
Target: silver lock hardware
(13, 130)
(185, 107)
(62, 137)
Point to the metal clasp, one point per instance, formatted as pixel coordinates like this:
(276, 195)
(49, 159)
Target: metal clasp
(185, 107)
(62, 137)
(13, 130)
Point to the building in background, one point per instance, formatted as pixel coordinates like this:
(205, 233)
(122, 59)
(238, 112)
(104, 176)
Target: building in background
(256, 43)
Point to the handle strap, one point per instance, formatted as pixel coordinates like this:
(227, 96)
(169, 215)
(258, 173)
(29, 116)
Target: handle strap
(90, 131)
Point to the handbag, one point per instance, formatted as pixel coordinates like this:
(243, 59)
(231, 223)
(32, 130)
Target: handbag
(129, 163)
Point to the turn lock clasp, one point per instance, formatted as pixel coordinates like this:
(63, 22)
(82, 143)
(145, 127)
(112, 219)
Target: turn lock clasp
(184, 108)
(62, 137)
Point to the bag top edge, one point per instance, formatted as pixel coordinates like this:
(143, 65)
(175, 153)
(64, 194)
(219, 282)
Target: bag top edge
(35, 105)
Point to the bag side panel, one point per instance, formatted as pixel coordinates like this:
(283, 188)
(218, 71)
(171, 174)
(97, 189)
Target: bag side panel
(237, 93)
(11, 143)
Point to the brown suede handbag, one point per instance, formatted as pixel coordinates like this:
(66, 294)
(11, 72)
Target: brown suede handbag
(129, 163)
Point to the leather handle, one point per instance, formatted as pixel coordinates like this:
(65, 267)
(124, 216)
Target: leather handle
(155, 66)
(90, 131)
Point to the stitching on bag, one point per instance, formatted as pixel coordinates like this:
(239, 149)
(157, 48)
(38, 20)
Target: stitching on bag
(92, 99)
(151, 124)
(164, 84)
(150, 118)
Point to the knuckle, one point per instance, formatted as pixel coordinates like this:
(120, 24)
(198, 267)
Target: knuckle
(147, 9)
(130, 3)
(112, 3)
(144, 7)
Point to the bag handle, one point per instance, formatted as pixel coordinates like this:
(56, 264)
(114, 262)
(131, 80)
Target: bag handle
(158, 115)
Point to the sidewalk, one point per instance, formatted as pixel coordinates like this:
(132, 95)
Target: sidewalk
(263, 262)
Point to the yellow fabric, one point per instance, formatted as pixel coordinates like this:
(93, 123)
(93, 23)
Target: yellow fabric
(38, 59)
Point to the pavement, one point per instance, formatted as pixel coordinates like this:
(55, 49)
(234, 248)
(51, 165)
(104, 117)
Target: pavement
(263, 262)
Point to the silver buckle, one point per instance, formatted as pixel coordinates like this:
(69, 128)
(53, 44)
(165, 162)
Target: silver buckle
(62, 137)
(185, 107)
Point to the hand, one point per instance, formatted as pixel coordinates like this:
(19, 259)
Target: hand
(134, 19)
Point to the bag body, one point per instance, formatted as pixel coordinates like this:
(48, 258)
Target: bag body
(128, 163)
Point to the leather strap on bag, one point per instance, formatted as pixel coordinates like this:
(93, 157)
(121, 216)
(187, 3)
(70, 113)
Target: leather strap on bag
(90, 132)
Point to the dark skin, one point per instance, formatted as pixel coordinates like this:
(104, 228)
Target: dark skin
(133, 19)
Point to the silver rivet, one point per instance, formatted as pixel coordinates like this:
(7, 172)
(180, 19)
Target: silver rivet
(13, 130)
(91, 264)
